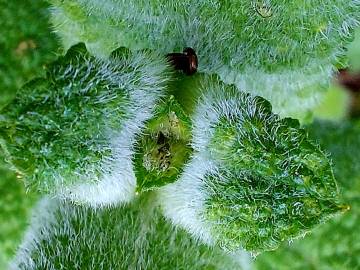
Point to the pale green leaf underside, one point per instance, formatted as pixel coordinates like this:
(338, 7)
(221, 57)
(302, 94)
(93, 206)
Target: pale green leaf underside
(281, 50)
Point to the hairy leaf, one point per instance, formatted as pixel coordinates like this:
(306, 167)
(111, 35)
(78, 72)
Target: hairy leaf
(255, 180)
(73, 131)
(336, 244)
(126, 237)
(281, 50)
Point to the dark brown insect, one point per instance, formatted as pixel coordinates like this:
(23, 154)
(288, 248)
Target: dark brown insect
(187, 61)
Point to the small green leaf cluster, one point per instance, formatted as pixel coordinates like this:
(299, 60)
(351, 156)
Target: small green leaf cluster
(105, 128)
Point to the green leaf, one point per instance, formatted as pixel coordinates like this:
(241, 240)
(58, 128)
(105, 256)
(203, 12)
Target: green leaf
(281, 50)
(73, 131)
(135, 236)
(336, 244)
(255, 180)
(342, 141)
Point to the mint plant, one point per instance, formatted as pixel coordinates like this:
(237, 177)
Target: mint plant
(142, 166)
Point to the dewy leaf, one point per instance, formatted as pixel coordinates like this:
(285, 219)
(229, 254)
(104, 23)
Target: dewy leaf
(254, 181)
(281, 50)
(136, 236)
(73, 131)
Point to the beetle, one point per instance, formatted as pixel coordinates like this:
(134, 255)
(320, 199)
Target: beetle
(187, 61)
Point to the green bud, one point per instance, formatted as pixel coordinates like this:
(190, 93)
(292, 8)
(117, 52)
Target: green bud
(163, 147)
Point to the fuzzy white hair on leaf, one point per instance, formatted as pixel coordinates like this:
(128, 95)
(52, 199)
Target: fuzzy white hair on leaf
(118, 182)
(63, 235)
(244, 151)
(287, 60)
(85, 123)
(183, 201)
